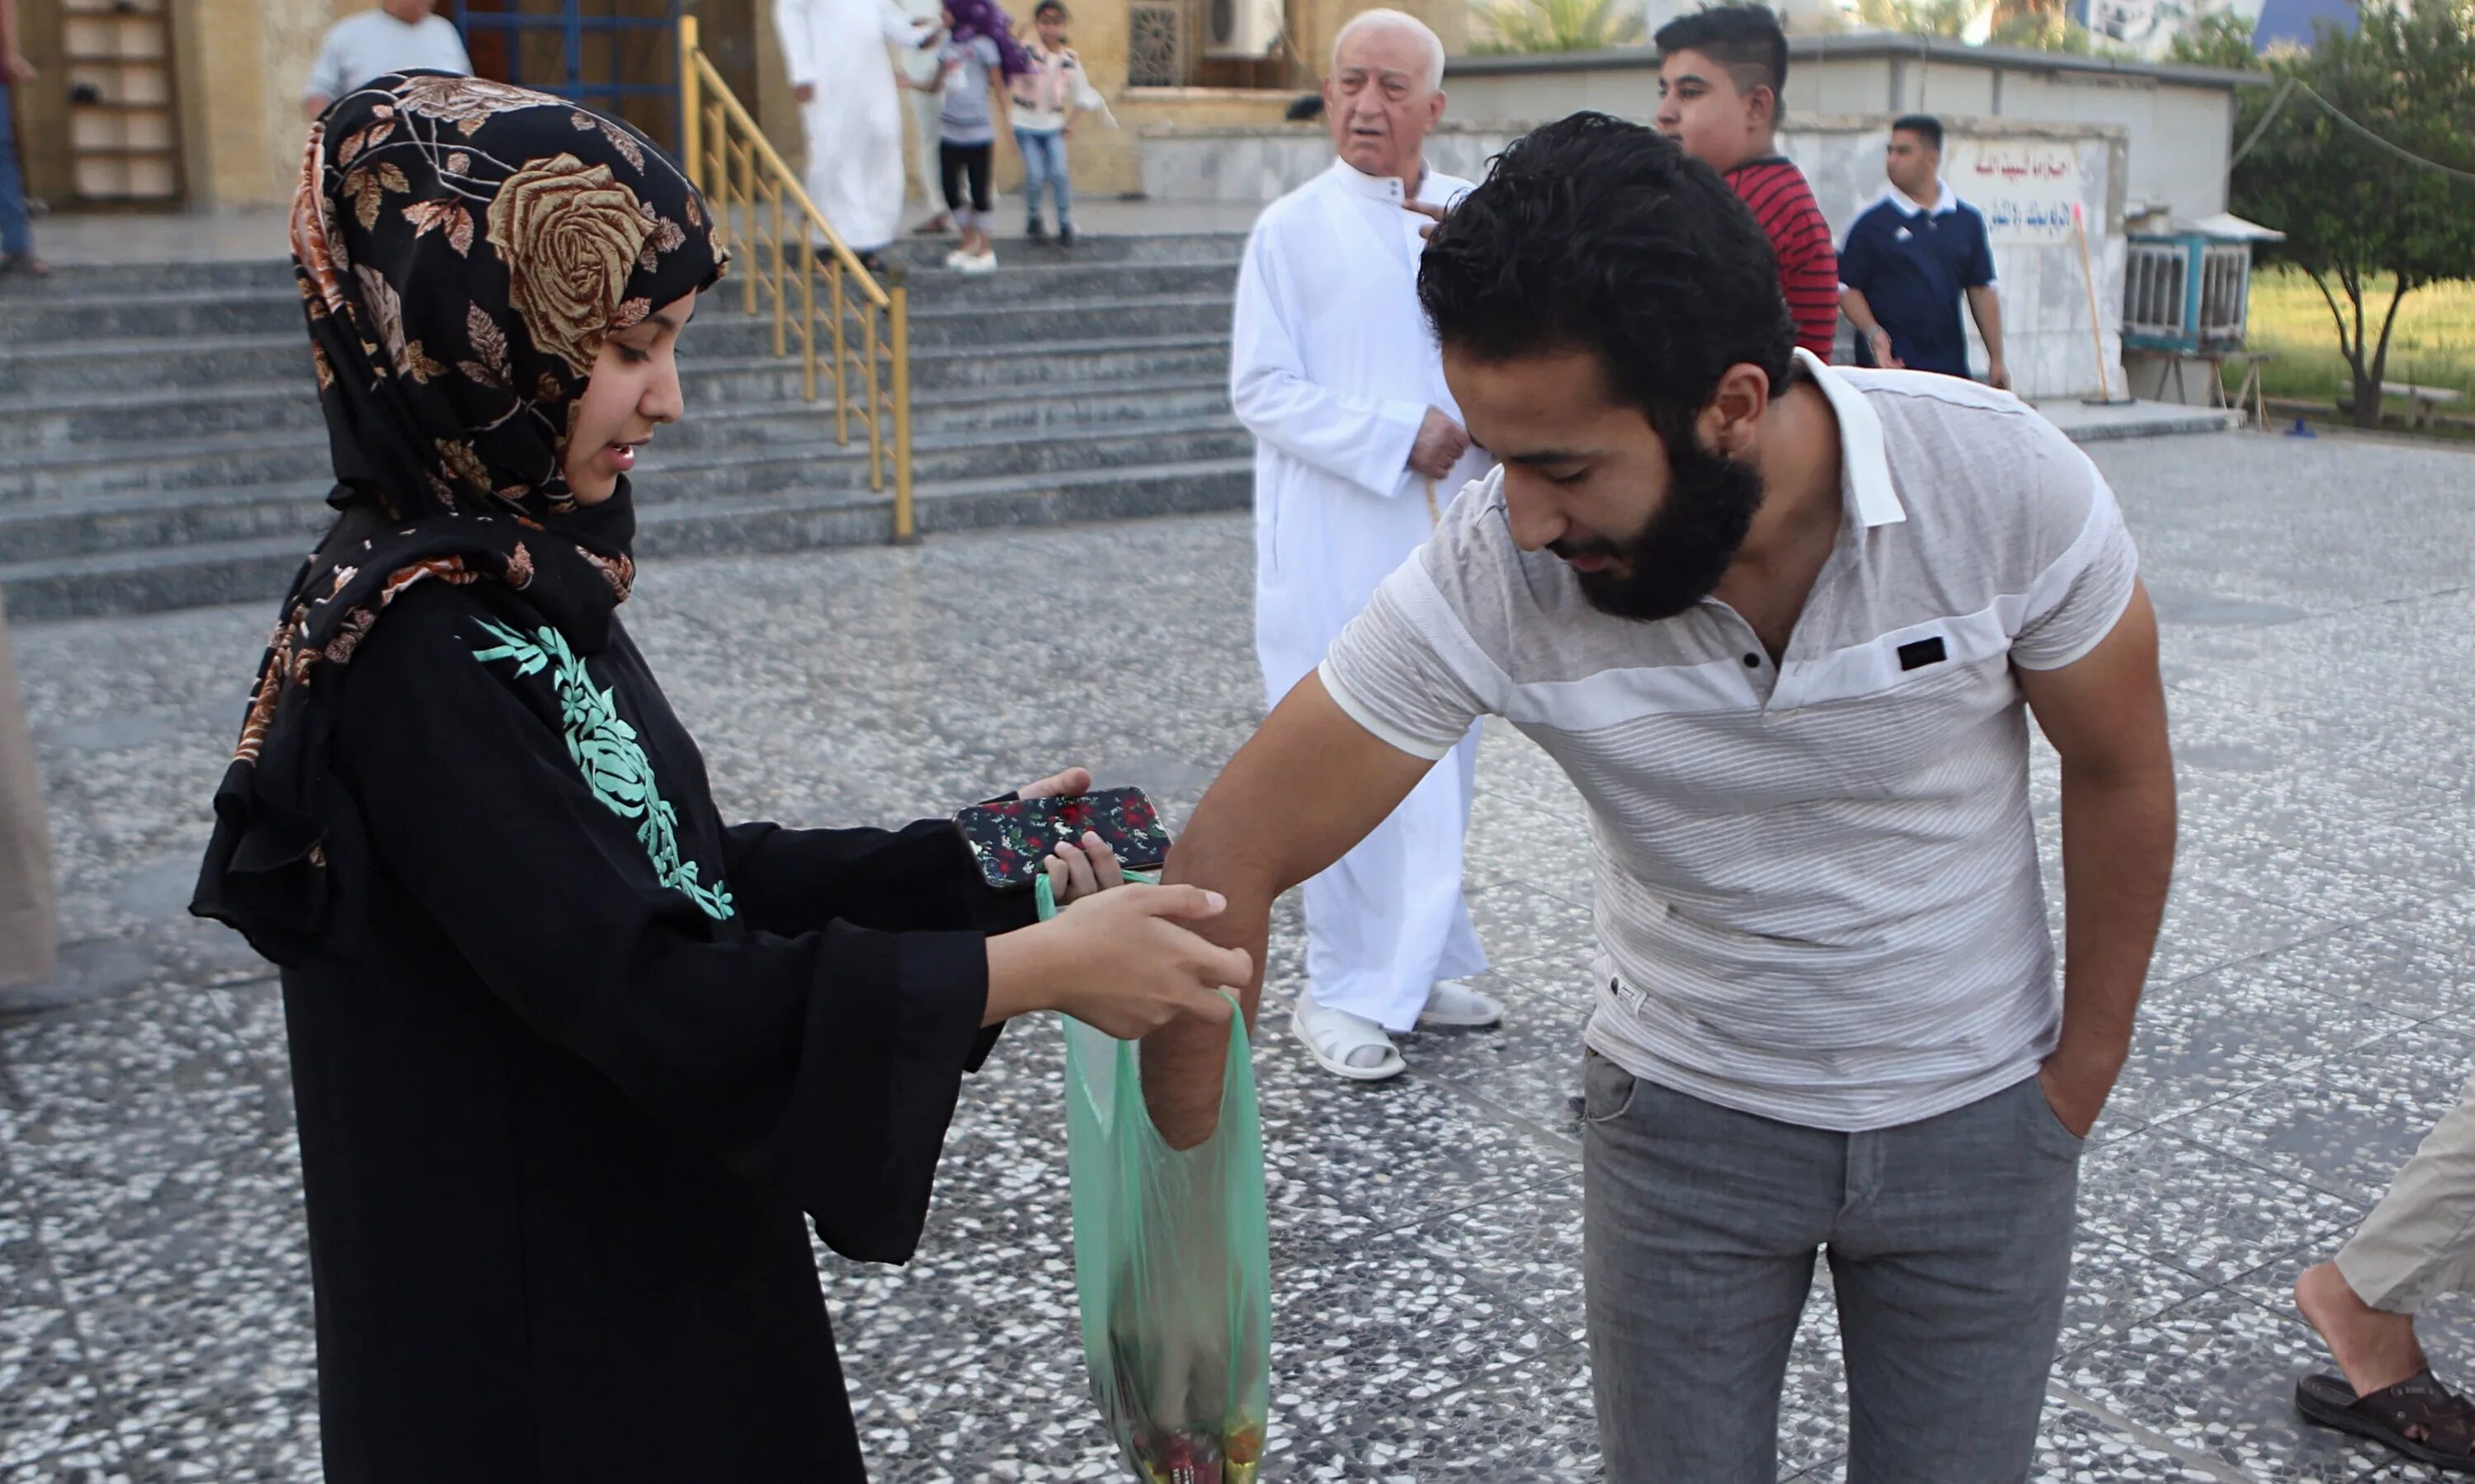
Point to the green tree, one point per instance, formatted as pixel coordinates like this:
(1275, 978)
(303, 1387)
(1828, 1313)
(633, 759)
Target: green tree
(2360, 218)
(1953, 18)
(1524, 26)
(2037, 25)
(2217, 39)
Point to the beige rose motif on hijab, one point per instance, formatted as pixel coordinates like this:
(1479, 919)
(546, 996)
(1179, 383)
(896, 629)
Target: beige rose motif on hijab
(569, 235)
(467, 101)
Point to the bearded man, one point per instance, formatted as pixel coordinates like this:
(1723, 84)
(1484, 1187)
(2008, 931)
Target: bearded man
(1783, 625)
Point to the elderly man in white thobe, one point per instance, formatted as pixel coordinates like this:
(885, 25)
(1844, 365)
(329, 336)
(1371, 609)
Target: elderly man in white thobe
(844, 78)
(1357, 443)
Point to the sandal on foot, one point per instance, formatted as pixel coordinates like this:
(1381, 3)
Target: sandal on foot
(2419, 1416)
(1452, 1003)
(1333, 1037)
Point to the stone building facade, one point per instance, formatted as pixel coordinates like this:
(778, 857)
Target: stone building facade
(195, 104)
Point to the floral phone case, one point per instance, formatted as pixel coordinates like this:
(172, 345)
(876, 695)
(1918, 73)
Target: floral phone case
(1012, 838)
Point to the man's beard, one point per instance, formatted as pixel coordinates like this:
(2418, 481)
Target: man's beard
(1680, 556)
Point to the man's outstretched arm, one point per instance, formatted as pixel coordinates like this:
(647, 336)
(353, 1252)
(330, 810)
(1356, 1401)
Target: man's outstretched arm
(1308, 785)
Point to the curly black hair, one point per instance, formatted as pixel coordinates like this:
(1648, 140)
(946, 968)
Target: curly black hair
(1593, 233)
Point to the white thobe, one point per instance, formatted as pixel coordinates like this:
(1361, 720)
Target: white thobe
(920, 65)
(853, 120)
(1333, 369)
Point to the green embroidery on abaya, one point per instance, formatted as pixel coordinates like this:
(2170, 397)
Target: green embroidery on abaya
(606, 750)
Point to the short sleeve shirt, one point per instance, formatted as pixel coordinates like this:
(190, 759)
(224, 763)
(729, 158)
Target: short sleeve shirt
(1912, 265)
(1776, 191)
(966, 115)
(1817, 882)
(374, 44)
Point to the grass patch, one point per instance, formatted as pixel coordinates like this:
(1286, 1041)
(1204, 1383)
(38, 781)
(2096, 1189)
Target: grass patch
(2433, 343)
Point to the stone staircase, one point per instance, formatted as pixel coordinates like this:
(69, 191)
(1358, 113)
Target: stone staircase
(161, 445)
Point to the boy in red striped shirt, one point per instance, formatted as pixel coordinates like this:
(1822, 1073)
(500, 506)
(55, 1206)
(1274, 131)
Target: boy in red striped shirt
(1720, 75)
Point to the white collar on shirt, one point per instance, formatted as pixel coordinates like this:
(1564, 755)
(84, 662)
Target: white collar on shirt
(1943, 204)
(1862, 457)
(1380, 187)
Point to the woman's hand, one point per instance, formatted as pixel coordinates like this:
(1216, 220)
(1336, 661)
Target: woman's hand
(1133, 966)
(1080, 869)
(1077, 870)
(1058, 786)
(1122, 962)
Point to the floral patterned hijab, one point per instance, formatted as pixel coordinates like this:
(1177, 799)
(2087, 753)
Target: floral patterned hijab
(463, 248)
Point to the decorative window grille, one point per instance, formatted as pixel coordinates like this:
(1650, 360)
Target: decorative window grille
(1156, 50)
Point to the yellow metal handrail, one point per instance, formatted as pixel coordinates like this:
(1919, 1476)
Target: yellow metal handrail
(755, 196)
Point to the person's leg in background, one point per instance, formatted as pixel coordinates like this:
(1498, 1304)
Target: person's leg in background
(29, 894)
(951, 174)
(1061, 186)
(2417, 1243)
(1949, 1260)
(17, 230)
(977, 160)
(1036, 162)
(925, 114)
(1698, 1226)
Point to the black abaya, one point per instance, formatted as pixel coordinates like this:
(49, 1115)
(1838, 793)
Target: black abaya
(563, 1111)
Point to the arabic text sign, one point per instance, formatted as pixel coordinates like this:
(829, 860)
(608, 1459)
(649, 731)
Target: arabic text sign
(2025, 188)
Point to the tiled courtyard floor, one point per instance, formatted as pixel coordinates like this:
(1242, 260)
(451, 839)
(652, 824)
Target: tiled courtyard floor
(2310, 1015)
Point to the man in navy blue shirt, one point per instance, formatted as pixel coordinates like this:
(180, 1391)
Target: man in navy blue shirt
(1909, 259)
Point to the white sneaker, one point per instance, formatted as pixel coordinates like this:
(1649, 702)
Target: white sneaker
(1344, 1044)
(986, 262)
(1452, 1003)
(959, 260)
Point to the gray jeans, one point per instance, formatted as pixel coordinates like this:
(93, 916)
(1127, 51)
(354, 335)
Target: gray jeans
(1949, 1243)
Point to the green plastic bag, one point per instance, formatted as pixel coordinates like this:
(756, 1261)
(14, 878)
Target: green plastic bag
(1173, 1263)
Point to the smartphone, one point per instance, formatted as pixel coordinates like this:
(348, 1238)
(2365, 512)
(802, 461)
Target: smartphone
(1012, 839)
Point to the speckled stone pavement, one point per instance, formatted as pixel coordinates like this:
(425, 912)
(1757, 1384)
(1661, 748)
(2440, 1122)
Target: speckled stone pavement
(2309, 1017)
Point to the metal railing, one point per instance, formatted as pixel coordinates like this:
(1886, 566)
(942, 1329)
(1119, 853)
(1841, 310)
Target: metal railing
(813, 294)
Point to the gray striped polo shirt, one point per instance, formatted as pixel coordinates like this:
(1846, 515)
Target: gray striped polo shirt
(1817, 890)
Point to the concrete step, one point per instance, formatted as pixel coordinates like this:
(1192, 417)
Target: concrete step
(1003, 324)
(54, 319)
(947, 309)
(756, 389)
(57, 421)
(257, 569)
(680, 475)
(700, 458)
(921, 256)
(110, 366)
(1041, 279)
(60, 530)
(86, 281)
(65, 375)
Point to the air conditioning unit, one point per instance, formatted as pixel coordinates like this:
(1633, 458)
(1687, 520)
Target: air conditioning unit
(1242, 28)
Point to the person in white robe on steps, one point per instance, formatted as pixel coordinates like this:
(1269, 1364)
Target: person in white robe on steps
(1357, 447)
(844, 78)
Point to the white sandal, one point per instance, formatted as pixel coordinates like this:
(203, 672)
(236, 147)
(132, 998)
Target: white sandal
(1330, 1036)
(1452, 1003)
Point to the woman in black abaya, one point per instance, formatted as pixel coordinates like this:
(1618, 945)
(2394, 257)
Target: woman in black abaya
(572, 1056)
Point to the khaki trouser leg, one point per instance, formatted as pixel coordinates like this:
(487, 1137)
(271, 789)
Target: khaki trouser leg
(2419, 1242)
(28, 900)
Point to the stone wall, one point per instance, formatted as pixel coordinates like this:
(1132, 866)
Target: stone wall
(241, 66)
(2045, 295)
(2179, 120)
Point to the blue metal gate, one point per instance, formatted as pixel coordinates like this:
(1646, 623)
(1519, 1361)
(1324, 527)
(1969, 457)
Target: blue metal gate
(619, 56)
